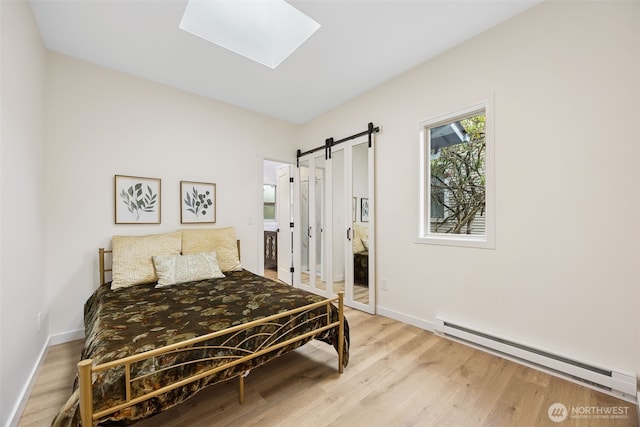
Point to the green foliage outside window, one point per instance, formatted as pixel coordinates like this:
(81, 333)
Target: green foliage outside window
(458, 181)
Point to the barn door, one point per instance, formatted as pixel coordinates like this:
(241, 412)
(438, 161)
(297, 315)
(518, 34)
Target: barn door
(310, 270)
(334, 246)
(353, 251)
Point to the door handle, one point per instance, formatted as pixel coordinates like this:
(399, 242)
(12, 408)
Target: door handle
(349, 233)
(309, 231)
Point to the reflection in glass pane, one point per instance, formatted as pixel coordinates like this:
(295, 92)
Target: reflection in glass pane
(304, 219)
(360, 191)
(340, 223)
(318, 228)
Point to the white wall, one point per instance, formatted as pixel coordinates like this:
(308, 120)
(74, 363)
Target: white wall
(101, 123)
(564, 275)
(22, 174)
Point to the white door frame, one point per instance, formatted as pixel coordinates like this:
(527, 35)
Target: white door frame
(285, 239)
(347, 233)
(371, 247)
(314, 234)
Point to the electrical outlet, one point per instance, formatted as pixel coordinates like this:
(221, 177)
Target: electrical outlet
(384, 284)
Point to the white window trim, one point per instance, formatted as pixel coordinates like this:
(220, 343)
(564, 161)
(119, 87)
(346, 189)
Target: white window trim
(424, 236)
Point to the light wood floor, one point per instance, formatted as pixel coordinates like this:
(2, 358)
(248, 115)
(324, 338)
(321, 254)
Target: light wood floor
(398, 375)
(360, 291)
(271, 274)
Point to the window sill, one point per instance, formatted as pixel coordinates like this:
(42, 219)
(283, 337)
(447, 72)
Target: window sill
(457, 240)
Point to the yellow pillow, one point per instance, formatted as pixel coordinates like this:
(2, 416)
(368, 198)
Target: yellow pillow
(357, 245)
(222, 241)
(132, 257)
(362, 233)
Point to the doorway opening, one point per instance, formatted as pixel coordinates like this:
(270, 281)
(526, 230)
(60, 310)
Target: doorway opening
(277, 198)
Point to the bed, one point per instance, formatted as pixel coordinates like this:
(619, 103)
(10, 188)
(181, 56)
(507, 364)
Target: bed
(151, 346)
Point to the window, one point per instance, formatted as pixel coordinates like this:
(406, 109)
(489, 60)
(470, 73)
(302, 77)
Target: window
(455, 179)
(269, 196)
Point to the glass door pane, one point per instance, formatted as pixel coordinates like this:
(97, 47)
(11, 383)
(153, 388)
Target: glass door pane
(318, 226)
(305, 278)
(341, 219)
(360, 222)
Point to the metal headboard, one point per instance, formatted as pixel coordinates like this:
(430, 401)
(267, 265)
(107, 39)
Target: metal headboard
(102, 252)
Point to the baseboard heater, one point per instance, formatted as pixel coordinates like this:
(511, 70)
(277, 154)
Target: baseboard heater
(615, 383)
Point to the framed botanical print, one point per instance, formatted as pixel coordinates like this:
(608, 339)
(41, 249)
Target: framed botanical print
(137, 200)
(198, 202)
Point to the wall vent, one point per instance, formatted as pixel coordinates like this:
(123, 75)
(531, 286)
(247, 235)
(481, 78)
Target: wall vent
(616, 383)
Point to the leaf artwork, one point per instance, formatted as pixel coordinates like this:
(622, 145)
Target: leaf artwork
(197, 203)
(138, 201)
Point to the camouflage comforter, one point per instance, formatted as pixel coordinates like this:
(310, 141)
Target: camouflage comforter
(140, 318)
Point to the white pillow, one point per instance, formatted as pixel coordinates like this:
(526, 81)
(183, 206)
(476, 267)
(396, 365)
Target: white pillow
(172, 270)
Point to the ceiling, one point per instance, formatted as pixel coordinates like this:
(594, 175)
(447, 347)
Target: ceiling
(359, 45)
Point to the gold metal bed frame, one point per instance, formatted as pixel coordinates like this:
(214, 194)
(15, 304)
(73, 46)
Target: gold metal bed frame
(86, 369)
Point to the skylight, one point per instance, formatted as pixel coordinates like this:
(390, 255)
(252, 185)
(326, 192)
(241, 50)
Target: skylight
(266, 31)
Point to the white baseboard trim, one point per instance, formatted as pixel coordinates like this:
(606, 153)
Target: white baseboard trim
(64, 337)
(23, 397)
(411, 320)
